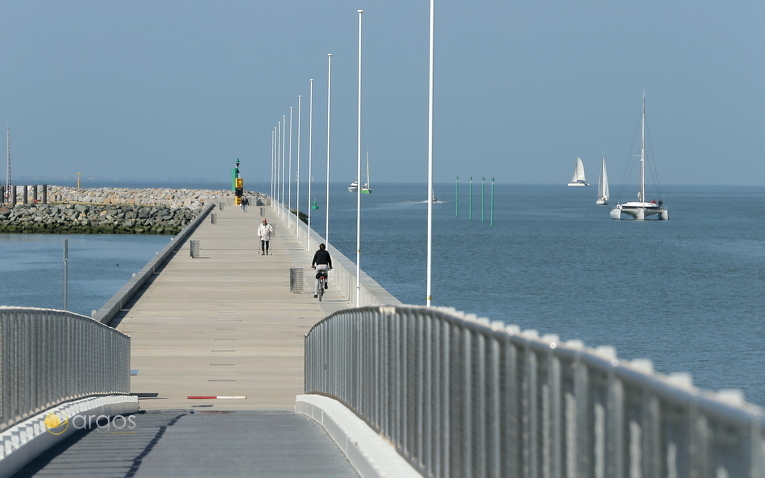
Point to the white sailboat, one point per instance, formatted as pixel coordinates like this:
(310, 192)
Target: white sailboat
(578, 179)
(641, 208)
(602, 183)
(366, 188)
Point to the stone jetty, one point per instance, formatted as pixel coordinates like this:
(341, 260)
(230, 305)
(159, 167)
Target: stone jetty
(173, 198)
(112, 210)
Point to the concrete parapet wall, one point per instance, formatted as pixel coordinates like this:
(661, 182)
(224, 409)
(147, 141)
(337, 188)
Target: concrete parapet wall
(367, 452)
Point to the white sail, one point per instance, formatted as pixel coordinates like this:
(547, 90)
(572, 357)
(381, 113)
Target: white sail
(578, 178)
(367, 186)
(603, 192)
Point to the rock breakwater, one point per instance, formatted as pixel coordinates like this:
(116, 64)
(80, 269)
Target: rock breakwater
(174, 198)
(94, 219)
(113, 210)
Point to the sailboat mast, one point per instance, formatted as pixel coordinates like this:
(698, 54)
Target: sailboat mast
(642, 155)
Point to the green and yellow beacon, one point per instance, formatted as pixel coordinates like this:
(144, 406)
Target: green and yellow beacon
(237, 184)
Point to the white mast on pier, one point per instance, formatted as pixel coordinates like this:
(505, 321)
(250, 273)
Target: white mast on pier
(8, 180)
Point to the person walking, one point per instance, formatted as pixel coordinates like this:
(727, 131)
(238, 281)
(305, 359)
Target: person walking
(321, 262)
(264, 232)
(245, 203)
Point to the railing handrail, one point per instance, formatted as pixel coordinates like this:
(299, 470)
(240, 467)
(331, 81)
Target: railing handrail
(49, 356)
(460, 395)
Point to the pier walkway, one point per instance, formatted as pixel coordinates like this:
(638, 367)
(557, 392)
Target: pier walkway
(225, 323)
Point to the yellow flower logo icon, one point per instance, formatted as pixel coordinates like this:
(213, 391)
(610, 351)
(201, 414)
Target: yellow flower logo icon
(56, 422)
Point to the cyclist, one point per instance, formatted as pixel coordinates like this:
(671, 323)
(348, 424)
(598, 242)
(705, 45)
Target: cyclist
(321, 262)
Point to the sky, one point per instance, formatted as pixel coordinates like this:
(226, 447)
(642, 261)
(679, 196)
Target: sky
(179, 89)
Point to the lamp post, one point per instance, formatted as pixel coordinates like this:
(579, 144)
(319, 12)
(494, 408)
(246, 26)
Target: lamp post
(310, 164)
(284, 138)
(358, 175)
(329, 115)
(289, 176)
(430, 155)
(297, 180)
(278, 162)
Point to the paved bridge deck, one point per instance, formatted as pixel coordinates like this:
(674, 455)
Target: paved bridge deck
(189, 443)
(225, 323)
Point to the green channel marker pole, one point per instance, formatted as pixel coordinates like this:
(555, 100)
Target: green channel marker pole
(457, 197)
(470, 200)
(482, 181)
(492, 202)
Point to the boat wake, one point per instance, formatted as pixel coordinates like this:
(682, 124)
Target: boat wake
(421, 202)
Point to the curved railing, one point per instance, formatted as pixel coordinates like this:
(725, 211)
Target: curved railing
(461, 396)
(48, 357)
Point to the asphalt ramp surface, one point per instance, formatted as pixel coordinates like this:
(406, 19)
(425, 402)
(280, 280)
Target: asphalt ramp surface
(195, 443)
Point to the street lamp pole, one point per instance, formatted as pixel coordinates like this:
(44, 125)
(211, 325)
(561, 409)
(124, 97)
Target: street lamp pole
(329, 111)
(289, 176)
(310, 165)
(430, 157)
(297, 180)
(358, 176)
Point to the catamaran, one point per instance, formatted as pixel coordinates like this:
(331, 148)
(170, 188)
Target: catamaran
(602, 183)
(578, 179)
(641, 208)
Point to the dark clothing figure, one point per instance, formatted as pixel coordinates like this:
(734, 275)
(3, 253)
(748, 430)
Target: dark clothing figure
(321, 262)
(321, 257)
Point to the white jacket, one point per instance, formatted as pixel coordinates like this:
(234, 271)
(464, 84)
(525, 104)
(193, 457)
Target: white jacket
(264, 231)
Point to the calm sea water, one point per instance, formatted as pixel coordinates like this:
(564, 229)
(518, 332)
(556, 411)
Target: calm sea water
(687, 293)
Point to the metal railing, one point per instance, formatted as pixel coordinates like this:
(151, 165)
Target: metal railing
(462, 396)
(48, 357)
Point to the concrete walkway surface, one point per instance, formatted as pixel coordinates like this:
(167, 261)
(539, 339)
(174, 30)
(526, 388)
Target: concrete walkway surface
(226, 324)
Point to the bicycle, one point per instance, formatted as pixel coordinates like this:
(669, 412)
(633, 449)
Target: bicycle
(322, 276)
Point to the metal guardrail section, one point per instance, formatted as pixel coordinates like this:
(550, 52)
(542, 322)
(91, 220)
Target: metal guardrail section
(48, 357)
(461, 396)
